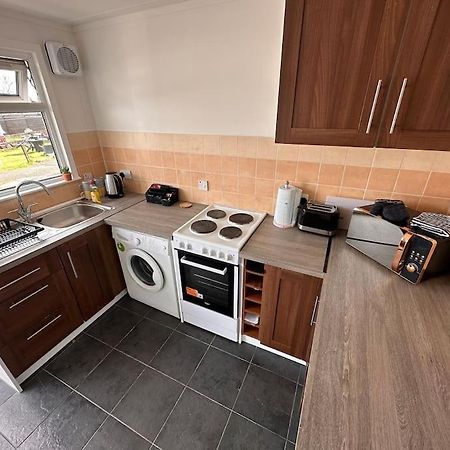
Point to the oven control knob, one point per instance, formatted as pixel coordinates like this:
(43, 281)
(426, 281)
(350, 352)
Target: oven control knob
(204, 251)
(182, 245)
(221, 255)
(188, 246)
(229, 257)
(411, 267)
(213, 253)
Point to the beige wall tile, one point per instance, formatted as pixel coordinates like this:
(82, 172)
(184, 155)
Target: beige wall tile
(382, 179)
(441, 161)
(439, 205)
(356, 177)
(438, 185)
(265, 168)
(334, 155)
(170, 176)
(246, 185)
(351, 192)
(266, 148)
(287, 152)
(371, 194)
(230, 165)
(331, 174)
(247, 146)
(247, 167)
(418, 160)
(307, 172)
(323, 191)
(360, 156)
(182, 161)
(264, 188)
(310, 153)
(211, 145)
(286, 170)
(197, 162)
(411, 182)
(388, 158)
(411, 201)
(213, 163)
(228, 145)
(168, 160)
(230, 183)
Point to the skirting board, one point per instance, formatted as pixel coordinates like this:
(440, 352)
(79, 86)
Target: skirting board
(258, 344)
(40, 362)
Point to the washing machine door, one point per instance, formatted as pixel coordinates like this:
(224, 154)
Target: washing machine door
(144, 270)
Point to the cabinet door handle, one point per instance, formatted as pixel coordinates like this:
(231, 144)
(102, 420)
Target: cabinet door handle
(374, 105)
(28, 297)
(20, 278)
(44, 327)
(72, 265)
(313, 315)
(399, 103)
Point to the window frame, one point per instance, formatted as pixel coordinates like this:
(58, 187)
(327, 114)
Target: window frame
(21, 80)
(44, 106)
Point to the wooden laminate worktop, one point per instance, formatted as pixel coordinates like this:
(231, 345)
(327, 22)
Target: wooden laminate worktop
(153, 219)
(379, 374)
(287, 248)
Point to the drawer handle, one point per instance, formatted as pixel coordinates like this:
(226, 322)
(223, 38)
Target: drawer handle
(313, 315)
(374, 105)
(28, 296)
(20, 278)
(399, 103)
(72, 264)
(43, 328)
(186, 261)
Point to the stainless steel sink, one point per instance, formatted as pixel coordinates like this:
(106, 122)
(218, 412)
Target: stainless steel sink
(70, 215)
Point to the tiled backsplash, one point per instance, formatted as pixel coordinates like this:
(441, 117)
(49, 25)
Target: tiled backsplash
(88, 158)
(247, 171)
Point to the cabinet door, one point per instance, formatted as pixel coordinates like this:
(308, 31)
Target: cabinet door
(336, 68)
(80, 260)
(288, 308)
(109, 270)
(420, 92)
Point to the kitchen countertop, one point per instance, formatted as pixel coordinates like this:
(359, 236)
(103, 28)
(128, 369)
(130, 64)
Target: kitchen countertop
(287, 248)
(65, 234)
(153, 219)
(379, 374)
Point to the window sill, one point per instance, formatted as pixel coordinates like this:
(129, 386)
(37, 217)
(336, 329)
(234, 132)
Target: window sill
(49, 184)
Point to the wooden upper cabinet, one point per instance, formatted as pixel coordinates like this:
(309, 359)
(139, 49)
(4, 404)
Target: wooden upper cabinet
(423, 69)
(366, 73)
(289, 306)
(336, 67)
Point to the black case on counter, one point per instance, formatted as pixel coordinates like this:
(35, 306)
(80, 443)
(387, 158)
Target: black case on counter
(162, 194)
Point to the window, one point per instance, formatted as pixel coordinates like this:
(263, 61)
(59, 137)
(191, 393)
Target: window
(30, 147)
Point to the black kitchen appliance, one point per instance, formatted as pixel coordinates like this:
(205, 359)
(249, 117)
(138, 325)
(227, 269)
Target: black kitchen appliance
(114, 184)
(162, 194)
(207, 282)
(318, 218)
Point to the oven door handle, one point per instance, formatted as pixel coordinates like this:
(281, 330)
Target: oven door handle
(186, 261)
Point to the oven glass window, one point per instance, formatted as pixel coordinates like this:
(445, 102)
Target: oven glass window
(142, 270)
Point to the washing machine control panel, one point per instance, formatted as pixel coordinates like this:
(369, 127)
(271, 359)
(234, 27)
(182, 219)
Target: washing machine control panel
(201, 248)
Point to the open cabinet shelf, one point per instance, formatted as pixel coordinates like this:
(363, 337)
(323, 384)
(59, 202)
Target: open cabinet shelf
(253, 287)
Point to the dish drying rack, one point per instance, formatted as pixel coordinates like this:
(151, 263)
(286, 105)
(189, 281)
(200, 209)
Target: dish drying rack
(15, 236)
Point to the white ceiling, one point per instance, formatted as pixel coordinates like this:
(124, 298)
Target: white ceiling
(79, 11)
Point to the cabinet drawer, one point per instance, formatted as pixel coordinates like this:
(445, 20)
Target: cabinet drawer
(21, 310)
(40, 337)
(26, 274)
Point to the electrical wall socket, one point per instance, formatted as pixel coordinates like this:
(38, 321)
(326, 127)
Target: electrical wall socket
(126, 173)
(203, 185)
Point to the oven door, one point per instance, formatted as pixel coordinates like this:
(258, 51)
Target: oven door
(207, 282)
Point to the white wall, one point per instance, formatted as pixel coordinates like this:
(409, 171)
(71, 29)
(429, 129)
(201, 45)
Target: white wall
(69, 99)
(212, 69)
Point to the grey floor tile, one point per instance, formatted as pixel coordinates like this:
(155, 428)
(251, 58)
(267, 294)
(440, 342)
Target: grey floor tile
(278, 364)
(267, 399)
(145, 340)
(114, 325)
(243, 350)
(289, 446)
(78, 359)
(23, 412)
(6, 391)
(179, 357)
(292, 435)
(112, 435)
(111, 379)
(4, 444)
(195, 423)
(163, 318)
(219, 376)
(69, 427)
(195, 332)
(133, 305)
(242, 434)
(148, 403)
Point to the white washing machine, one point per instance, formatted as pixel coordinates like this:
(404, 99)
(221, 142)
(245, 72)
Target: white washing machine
(148, 269)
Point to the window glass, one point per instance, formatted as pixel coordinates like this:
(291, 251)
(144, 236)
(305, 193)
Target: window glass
(28, 150)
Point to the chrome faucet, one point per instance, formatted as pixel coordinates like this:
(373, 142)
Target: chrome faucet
(25, 211)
